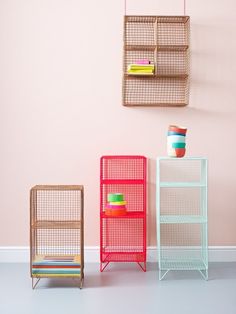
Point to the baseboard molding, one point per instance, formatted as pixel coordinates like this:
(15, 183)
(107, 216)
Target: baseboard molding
(20, 254)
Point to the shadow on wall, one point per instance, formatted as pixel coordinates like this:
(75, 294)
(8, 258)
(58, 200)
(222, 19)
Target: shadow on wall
(151, 203)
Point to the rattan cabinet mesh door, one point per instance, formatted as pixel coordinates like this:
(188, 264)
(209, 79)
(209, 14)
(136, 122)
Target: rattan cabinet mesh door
(56, 232)
(164, 41)
(123, 237)
(182, 214)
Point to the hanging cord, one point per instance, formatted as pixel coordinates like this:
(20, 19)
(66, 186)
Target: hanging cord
(184, 7)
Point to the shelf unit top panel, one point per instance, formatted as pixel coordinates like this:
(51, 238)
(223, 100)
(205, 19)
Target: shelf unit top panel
(183, 158)
(157, 18)
(58, 187)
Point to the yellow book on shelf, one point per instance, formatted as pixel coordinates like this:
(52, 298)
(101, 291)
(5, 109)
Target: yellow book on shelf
(141, 67)
(141, 72)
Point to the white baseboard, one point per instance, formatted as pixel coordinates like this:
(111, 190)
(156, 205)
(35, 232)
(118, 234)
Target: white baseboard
(20, 254)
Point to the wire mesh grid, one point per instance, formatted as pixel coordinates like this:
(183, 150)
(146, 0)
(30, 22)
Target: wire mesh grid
(123, 168)
(172, 62)
(149, 91)
(181, 170)
(57, 242)
(122, 239)
(58, 205)
(183, 246)
(133, 195)
(164, 41)
(184, 201)
(173, 31)
(139, 30)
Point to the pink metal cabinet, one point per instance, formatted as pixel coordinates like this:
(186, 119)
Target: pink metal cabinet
(123, 237)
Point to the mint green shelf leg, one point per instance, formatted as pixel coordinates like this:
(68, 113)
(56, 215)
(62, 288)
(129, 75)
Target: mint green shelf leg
(204, 273)
(162, 273)
(158, 225)
(204, 227)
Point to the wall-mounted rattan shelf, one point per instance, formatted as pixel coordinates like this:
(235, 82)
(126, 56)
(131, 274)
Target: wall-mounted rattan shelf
(164, 41)
(56, 232)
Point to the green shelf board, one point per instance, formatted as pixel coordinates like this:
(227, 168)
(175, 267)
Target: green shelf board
(178, 219)
(182, 264)
(181, 184)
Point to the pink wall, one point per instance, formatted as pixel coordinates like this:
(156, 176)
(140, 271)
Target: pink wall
(60, 105)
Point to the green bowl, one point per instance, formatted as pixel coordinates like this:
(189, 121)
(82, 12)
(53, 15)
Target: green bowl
(178, 145)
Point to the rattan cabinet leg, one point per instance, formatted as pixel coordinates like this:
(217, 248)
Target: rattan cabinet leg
(81, 283)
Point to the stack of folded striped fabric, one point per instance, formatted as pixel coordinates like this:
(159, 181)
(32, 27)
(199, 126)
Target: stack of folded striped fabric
(116, 205)
(56, 266)
(141, 67)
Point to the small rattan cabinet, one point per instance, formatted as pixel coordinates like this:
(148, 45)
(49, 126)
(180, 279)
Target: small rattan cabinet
(123, 236)
(56, 232)
(182, 214)
(164, 41)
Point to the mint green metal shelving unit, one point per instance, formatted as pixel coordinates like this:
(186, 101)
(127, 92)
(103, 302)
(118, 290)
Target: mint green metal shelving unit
(181, 192)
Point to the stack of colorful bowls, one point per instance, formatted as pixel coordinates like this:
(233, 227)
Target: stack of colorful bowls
(116, 205)
(176, 141)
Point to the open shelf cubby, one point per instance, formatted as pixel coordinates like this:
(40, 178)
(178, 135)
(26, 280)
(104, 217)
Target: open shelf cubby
(164, 41)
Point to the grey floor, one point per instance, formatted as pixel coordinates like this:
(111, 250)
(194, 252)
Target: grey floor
(121, 288)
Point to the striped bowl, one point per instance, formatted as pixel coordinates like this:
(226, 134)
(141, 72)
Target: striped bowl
(178, 129)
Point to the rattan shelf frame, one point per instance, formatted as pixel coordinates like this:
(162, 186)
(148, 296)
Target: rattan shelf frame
(164, 40)
(57, 232)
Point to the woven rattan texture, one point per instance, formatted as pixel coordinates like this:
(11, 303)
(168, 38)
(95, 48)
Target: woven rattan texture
(164, 41)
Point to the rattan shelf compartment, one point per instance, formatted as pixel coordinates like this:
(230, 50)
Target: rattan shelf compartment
(143, 91)
(123, 238)
(53, 224)
(164, 41)
(56, 232)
